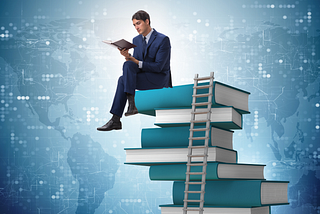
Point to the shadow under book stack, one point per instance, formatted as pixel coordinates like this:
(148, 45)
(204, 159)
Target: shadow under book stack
(230, 187)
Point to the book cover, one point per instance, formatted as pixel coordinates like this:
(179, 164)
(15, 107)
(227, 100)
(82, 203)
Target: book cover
(121, 44)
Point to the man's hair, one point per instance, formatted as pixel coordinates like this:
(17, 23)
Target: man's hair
(141, 15)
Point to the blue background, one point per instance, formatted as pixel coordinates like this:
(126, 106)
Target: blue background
(57, 81)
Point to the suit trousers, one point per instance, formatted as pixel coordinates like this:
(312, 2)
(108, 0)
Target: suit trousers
(132, 78)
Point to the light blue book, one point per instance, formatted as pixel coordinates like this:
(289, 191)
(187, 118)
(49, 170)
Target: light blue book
(181, 96)
(235, 193)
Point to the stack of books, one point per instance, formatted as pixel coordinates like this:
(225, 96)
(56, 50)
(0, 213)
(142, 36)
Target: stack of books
(231, 187)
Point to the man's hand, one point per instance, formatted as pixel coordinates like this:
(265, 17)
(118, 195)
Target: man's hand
(125, 52)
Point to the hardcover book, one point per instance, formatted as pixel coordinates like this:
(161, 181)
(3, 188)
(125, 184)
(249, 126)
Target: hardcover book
(174, 209)
(236, 193)
(179, 137)
(176, 155)
(215, 171)
(221, 117)
(181, 97)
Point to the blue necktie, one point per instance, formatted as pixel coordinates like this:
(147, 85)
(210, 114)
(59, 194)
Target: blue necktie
(144, 45)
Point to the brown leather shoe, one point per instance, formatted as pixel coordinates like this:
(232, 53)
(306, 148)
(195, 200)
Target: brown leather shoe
(111, 125)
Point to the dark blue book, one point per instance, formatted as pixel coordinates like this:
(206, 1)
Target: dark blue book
(235, 193)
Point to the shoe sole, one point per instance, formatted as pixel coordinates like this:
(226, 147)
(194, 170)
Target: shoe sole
(129, 114)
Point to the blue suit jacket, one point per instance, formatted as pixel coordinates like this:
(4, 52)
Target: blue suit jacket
(156, 58)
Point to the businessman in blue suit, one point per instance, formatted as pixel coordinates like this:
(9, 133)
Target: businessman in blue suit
(147, 68)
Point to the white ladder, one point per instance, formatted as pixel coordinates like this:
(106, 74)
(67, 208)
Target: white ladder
(191, 163)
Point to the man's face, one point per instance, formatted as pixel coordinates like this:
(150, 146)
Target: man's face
(141, 26)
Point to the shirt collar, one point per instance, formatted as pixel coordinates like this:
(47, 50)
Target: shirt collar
(149, 35)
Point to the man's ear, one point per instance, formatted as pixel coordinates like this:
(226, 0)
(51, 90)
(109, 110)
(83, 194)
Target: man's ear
(147, 22)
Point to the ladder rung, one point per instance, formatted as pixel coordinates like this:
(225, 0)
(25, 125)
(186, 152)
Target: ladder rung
(195, 173)
(193, 209)
(196, 164)
(201, 104)
(203, 78)
(202, 95)
(202, 86)
(198, 138)
(195, 191)
(193, 200)
(199, 121)
(197, 155)
(197, 147)
(200, 112)
(199, 130)
(194, 182)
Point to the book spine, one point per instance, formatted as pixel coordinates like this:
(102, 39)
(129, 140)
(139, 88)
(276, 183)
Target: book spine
(246, 193)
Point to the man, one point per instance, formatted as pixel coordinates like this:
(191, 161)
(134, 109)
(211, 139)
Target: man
(148, 68)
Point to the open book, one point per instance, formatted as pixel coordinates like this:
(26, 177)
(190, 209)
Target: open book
(121, 44)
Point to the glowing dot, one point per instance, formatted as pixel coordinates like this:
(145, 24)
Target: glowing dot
(280, 61)
(53, 197)
(47, 43)
(40, 182)
(92, 20)
(284, 17)
(268, 50)
(84, 39)
(272, 6)
(199, 20)
(317, 105)
(317, 126)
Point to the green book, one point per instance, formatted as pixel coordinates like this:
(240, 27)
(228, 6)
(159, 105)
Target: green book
(215, 170)
(181, 96)
(177, 209)
(179, 137)
(235, 193)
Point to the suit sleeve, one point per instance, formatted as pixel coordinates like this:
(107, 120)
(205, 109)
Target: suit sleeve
(162, 58)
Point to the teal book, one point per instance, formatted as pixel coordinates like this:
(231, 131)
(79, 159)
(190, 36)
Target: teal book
(177, 209)
(235, 193)
(224, 117)
(181, 96)
(215, 170)
(171, 155)
(179, 137)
